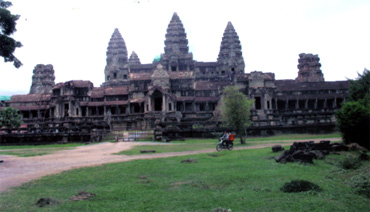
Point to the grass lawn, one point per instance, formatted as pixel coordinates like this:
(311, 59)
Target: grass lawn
(36, 150)
(198, 144)
(243, 180)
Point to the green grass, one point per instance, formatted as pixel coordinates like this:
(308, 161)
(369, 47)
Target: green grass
(199, 144)
(35, 150)
(240, 180)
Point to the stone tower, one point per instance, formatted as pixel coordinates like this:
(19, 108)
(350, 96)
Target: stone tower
(134, 59)
(176, 55)
(116, 71)
(309, 68)
(230, 58)
(42, 79)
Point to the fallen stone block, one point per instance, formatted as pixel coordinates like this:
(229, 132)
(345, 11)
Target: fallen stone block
(277, 148)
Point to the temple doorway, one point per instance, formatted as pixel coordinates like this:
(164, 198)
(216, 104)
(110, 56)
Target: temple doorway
(158, 100)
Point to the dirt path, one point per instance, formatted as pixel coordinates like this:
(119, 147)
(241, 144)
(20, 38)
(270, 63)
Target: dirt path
(15, 171)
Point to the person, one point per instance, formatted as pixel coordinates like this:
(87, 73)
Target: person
(225, 138)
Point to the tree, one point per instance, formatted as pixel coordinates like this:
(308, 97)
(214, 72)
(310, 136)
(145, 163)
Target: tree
(7, 28)
(353, 119)
(235, 111)
(10, 118)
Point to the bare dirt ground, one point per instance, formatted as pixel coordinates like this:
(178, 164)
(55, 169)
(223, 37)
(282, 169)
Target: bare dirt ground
(15, 171)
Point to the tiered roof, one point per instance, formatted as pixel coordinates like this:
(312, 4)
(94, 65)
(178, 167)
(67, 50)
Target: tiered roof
(134, 59)
(176, 40)
(230, 46)
(116, 49)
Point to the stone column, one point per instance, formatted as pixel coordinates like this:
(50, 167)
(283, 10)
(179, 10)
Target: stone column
(297, 104)
(286, 104)
(335, 103)
(276, 103)
(150, 103)
(163, 103)
(306, 104)
(316, 100)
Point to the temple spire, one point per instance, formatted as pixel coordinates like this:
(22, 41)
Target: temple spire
(134, 59)
(176, 41)
(117, 60)
(117, 51)
(230, 56)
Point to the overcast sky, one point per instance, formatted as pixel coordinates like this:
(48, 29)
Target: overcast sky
(73, 35)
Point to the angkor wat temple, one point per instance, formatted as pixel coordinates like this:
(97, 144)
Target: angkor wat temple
(179, 94)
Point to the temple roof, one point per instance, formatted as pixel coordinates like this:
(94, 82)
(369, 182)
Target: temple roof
(75, 83)
(116, 90)
(181, 74)
(140, 76)
(206, 85)
(30, 98)
(293, 85)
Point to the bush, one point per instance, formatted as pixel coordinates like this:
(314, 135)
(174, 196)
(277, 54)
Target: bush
(353, 122)
(295, 186)
(350, 162)
(361, 184)
(353, 118)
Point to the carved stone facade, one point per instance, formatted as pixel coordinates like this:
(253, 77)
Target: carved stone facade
(42, 79)
(179, 94)
(309, 68)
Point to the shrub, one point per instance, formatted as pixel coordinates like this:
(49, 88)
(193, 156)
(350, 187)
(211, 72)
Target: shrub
(353, 118)
(353, 122)
(350, 162)
(295, 186)
(361, 184)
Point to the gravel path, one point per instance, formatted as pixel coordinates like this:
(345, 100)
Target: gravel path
(15, 171)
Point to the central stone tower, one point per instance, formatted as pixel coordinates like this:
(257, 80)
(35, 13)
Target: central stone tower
(176, 55)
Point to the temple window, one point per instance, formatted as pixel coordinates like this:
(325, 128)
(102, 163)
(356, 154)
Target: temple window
(125, 76)
(114, 75)
(257, 102)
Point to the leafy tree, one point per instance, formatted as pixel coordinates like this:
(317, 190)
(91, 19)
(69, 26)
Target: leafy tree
(7, 28)
(360, 88)
(353, 119)
(9, 117)
(235, 111)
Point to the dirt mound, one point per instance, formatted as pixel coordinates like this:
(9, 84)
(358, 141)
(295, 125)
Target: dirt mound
(82, 195)
(295, 186)
(42, 202)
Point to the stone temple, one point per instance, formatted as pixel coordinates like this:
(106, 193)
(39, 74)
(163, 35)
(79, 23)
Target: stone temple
(179, 95)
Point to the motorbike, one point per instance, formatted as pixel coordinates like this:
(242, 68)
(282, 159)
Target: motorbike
(224, 145)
